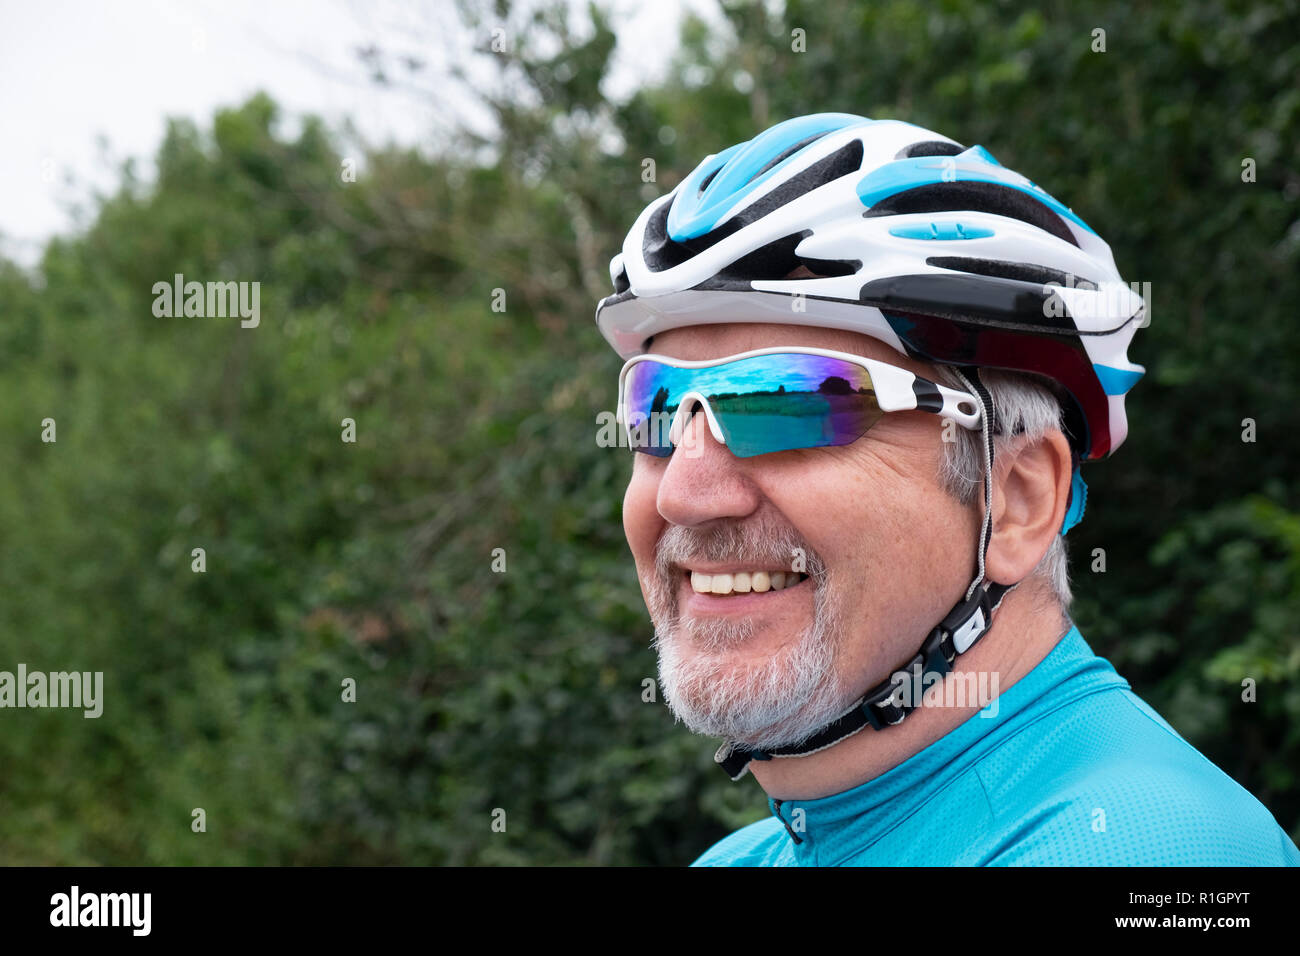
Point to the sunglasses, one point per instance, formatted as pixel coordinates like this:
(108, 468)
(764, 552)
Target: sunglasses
(774, 399)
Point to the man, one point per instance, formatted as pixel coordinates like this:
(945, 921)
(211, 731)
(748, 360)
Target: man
(864, 366)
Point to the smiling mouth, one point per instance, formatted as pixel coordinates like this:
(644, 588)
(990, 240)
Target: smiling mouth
(742, 582)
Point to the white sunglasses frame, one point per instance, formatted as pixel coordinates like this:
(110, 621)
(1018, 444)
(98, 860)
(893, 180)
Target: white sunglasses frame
(893, 388)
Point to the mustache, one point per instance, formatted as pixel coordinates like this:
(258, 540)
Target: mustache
(756, 543)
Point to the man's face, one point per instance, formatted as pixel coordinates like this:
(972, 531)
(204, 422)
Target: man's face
(884, 553)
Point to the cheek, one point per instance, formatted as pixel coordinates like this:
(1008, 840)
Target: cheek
(910, 544)
(642, 522)
(880, 520)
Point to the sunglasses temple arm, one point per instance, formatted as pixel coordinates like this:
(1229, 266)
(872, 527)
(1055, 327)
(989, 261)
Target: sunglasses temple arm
(898, 390)
(953, 404)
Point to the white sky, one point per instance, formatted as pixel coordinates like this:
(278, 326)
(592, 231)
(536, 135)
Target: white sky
(71, 72)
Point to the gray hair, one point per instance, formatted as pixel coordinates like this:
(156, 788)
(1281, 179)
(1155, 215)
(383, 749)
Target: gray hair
(1026, 410)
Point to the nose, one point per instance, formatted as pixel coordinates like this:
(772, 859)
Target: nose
(704, 481)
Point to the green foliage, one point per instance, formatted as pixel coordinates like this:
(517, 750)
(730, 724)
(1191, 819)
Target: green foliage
(373, 560)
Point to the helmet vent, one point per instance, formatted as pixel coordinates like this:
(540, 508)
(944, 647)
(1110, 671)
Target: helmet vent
(776, 160)
(825, 268)
(966, 196)
(844, 161)
(931, 147)
(772, 261)
(661, 252)
(776, 261)
(621, 283)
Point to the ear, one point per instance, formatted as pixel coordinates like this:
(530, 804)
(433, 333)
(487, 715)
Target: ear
(1030, 494)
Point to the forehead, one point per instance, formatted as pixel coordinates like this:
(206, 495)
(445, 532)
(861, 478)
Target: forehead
(703, 342)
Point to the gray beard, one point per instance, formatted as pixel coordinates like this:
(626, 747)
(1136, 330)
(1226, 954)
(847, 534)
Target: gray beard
(780, 701)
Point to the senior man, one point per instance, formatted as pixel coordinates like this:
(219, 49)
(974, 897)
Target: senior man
(864, 365)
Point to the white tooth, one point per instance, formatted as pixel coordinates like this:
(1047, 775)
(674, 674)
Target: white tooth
(741, 583)
(721, 584)
(778, 580)
(700, 582)
(760, 581)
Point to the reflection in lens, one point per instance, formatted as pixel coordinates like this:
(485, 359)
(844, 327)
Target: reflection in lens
(763, 404)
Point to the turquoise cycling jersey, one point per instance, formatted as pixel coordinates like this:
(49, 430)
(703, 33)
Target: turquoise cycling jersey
(1073, 769)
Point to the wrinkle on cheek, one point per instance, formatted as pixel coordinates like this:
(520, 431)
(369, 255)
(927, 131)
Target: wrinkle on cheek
(906, 453)
(894, 481)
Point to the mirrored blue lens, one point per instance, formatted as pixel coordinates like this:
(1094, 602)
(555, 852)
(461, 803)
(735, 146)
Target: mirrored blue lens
(763, 404)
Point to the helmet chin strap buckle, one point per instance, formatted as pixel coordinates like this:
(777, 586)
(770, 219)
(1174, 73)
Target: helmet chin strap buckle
(968, 621)
(935, 657)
